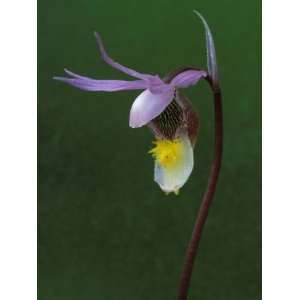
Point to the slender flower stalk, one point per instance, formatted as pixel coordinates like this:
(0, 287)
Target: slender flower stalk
(213, 81)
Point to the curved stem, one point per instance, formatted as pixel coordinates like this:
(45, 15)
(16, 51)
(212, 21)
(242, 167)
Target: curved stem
(207, 198)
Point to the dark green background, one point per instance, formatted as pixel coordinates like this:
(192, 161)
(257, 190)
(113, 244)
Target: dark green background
(106, 231)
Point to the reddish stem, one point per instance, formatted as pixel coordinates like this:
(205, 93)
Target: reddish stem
(207, 198)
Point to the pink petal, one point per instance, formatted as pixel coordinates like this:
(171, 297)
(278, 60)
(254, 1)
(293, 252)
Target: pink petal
(157, 85)
(89, 84)
(188, 78)
(115, 64)
(147, 106)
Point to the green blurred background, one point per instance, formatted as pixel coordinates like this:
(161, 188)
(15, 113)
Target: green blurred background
(106, 231)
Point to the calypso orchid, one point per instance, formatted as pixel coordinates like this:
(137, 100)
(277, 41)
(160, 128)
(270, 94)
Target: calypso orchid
(163, 108)
(171, 117)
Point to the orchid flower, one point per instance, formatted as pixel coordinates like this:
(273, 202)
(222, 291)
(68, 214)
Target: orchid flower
(162, 108)
(169, 114)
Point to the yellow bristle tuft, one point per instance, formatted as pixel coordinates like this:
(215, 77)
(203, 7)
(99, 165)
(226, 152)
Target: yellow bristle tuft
(167, 153)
